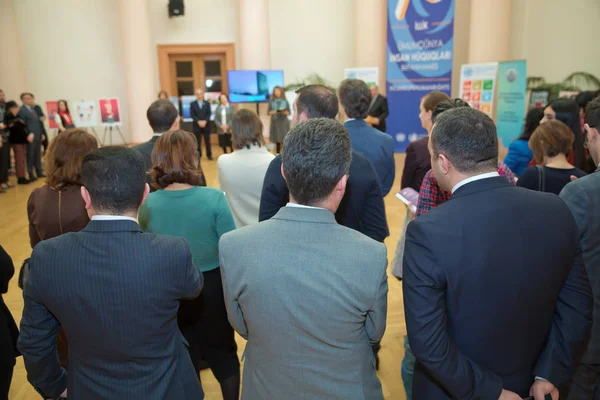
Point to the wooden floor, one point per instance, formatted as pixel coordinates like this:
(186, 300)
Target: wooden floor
(15, 240)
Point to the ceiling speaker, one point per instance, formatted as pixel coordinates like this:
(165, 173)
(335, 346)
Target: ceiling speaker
(176, 8)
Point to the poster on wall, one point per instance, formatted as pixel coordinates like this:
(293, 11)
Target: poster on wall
(84, 113)
(51, 111)
(213, 99)
(109, 112)
(186, 101)
(538, 98)
(477, 85)
(512, 90)
(419, 60)
(368, 74)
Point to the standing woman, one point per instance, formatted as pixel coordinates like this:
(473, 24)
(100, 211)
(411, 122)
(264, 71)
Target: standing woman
(63, 116)
(519, 154)
(200, 215)
(279, 109)
(567, 111)
(163, 95)
(18, 138)
(223, 116)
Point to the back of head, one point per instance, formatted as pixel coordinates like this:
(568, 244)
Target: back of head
(532, 121)
(247, 129)
(583, 98)
(551, 139)
(355, 97)
(567, 111)
(161, 115)
(592, 113)
(447, 105)
(316, 155)
(115, 177)
(175, 160)
(317, 101)
(432, 99)
(63, 160)
(467, 137)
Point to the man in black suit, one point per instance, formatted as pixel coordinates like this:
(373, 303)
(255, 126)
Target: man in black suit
(378, 109)
(200, 111)
(162, 117)
(116, 292)
(362, 207)
(496, 297)
(35, 125)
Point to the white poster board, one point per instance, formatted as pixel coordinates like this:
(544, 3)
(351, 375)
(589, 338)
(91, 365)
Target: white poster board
(84, 113)
(368, 74)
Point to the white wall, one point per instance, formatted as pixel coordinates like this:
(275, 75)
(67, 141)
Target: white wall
(72, 49)
(556, 37)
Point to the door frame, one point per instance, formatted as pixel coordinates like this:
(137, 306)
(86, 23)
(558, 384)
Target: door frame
(165, 50)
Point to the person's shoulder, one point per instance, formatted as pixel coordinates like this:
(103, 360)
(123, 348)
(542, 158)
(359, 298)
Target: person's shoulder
(224, 159)
(588, 183)
(247, 234)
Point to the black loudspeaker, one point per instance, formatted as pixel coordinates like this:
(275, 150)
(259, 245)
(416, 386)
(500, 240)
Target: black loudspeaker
(176, 8)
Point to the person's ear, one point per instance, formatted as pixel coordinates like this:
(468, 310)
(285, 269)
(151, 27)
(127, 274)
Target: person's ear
(444, 164)
(283, 173)
(340, 188)
(87, 199)
(146, 193)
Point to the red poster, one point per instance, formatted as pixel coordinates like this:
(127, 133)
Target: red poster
(51, 110)
(109, 112)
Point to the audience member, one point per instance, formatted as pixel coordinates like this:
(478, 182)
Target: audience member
(200, 111)
(34, 123)
(582, 100)
(242, 173)
(162, 117)
(551, 143)
(63, 117)
(163, 95)
(567, 111)
(519, 154)
(279, 109)
(312, 306)
(418, 161)
(461, 326)
(40, 111)
(378, 109)
(8, 328)
(200, 215)
(362, 207)
(431, 194)
(19, 137)
(583, 199)
(115, 291)
(4, 147)
(377, 146)
(223, 115)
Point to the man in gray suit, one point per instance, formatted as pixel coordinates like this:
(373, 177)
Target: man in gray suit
(35, 125)
(583, 199)
(311, 307)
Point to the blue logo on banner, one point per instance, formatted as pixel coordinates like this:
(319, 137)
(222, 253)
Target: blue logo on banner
(419, 61)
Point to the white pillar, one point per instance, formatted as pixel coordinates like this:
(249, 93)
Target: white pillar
(139, 58)
(370, 36)
(255, 46)
(490, 31)
(11, 62)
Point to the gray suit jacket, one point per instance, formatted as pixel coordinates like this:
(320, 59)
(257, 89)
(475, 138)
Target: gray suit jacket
(33, 122)
(310, 308)
(583, 199)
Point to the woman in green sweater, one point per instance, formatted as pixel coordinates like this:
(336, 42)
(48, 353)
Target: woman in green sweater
(200, 215)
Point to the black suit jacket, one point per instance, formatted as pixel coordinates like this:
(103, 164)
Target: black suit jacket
(200, 114)
(116, 292)
(361, 209)
(416, 164)
(380, 110)
(495, 293)
(8, 328)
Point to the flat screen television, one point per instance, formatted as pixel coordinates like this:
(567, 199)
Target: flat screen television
(252, 86)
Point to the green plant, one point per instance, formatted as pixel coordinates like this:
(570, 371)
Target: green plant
(575, 82)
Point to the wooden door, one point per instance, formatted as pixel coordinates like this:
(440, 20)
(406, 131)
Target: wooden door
(192, 71)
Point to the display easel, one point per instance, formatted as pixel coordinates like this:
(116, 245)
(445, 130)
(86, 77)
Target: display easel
(94, 132)
(109, 129)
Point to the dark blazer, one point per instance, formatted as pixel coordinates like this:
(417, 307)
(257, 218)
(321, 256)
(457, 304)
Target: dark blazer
(492, 308)
(200, 114)
(361, 209)
(17, 129)
(8, 329)
(33, 122)
(116, 292)
(583, 199)
(416, 165)
(380, 110)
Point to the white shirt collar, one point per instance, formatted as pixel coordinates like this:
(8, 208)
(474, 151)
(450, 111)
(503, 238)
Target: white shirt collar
(294, 205)
(112, 218)
(350, 119)
(475, 178)
(158, 134)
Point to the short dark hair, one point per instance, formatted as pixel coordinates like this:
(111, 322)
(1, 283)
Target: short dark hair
(26, 94)
(115, 177)
(355, 98)
(447, 105)
(161, 115)
(583, 98)
(592, 113)
(468, 138)
(247, 129)
(11, 104)
(317, 101)
(532, 121)
(432, 99)
(316, 155)
(175, 160)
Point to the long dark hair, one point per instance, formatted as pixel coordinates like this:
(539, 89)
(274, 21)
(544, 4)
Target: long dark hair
(567, 111)
(532, 121)
(66, 106)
